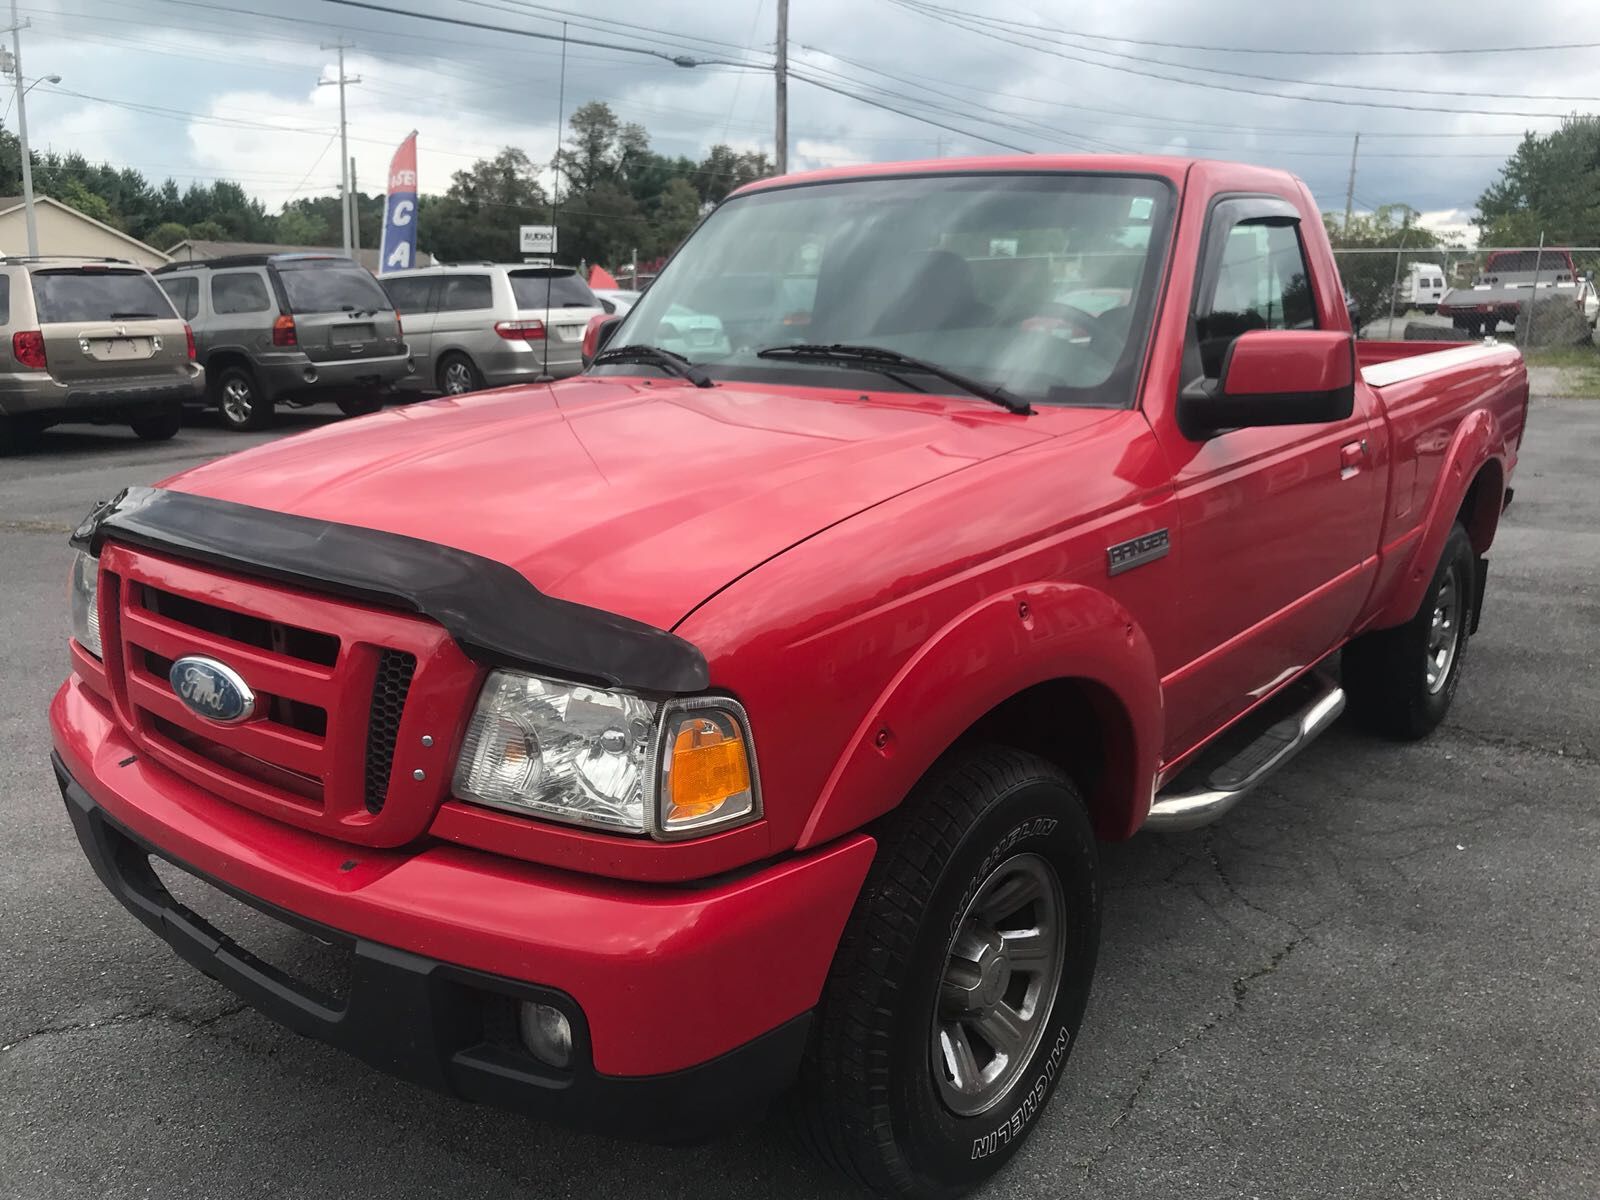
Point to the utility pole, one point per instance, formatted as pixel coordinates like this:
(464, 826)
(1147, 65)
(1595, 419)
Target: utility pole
(355, 209)
(344, 139)
(1350, 188)
(22, 134)
(781, 135)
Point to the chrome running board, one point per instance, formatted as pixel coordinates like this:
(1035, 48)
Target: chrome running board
(1203, 793)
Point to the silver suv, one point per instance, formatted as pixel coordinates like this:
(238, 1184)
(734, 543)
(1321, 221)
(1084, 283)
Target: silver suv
(480, 325)
(90, 340)
(289, 329)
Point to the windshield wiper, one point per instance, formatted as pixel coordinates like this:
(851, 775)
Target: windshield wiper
(133, 316)
(655, 356)
(877, 358)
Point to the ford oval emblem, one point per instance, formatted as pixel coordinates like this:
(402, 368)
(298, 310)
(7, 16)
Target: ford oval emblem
(212, 689)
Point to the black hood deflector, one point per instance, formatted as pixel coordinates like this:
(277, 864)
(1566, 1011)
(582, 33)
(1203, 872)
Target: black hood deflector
(494, 614)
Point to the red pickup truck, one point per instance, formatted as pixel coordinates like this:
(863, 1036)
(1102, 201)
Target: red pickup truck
(740, 717)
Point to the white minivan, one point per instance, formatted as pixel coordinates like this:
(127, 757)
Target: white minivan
(478, 325)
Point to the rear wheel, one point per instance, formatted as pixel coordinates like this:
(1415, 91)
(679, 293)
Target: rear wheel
(457, 375)
(158, 427)
(240, 400)
(960, 980)
(1400, 682)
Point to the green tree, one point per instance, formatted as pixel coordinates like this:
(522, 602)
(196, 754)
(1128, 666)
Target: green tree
(208, 231)
(478, 217)
(725, 170)
(676, 211)
(1550, 185)
(1370, 278)
(167, 235)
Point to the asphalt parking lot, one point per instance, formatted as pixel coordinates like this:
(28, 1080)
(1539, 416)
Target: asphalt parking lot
(1379, 977)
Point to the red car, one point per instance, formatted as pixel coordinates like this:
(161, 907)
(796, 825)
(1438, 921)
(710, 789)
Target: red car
(655, 742)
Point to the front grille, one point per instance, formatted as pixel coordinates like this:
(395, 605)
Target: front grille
(318, 750)
(389, 688)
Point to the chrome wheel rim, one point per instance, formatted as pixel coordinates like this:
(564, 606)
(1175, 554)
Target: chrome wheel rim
(237, 403)
(1002, 970)
(457, 378)
(1444, 634)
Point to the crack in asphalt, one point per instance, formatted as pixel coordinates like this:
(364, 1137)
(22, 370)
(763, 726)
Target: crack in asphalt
(1501, 741)
(187, 1020)
(1240, 989)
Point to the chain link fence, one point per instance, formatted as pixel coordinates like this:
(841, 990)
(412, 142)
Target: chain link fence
(1537, 296)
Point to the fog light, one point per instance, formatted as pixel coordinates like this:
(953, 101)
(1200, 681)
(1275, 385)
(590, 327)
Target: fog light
(546, 1033)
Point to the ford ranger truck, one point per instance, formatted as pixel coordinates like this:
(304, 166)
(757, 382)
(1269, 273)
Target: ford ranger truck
(732, 723)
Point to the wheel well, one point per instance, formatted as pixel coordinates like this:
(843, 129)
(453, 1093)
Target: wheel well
(223, 359)
(1480, 508)
(1080, 726)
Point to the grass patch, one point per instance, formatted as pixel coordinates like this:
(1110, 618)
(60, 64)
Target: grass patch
(1577, 369)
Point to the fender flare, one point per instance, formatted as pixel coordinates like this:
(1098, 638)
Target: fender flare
(1470, 448)
(1028, 635)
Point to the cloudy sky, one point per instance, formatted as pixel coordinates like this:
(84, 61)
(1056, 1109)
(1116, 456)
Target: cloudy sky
(195, 89)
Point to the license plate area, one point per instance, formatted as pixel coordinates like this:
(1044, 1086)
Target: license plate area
(351, 335)
(119, 349)
(318, 969)
(569, 333)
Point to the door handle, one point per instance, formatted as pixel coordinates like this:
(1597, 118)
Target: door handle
(1351, 457)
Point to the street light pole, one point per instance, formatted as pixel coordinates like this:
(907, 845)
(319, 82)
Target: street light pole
(22, 134)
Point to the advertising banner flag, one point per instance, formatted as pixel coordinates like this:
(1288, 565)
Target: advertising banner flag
(400, 211)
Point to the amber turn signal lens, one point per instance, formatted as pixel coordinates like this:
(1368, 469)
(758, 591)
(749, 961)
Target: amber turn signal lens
(706, 776)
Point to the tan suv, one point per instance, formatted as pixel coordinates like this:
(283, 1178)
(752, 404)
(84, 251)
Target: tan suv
(90, 340)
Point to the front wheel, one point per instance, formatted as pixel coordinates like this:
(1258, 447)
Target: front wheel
(1400, 682)
(160, 426)
(960, 980)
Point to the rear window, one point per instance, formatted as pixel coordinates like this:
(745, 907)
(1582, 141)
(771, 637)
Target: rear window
(323, 289)
(77, 295)
(566, 290)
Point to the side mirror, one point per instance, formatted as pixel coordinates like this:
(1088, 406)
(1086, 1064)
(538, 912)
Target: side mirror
(1275, 377)
(600, 328)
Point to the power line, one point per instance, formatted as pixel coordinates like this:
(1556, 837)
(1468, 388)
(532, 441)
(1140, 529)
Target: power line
(1353, 87)
(1224, 87)
(682, 60)
(1023, 26)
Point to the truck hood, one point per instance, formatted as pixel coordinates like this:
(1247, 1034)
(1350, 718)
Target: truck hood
(638, 498)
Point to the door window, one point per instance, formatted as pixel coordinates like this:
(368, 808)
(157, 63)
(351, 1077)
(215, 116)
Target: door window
(243, 292)
(409, 296)
(466, 293)
(184, 294)
(1261, 282)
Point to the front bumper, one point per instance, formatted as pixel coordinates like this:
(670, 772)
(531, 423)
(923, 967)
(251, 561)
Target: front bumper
(670, 989)
(438, 1025)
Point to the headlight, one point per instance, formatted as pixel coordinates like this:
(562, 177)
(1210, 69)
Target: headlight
(608, 759)
(86, 603)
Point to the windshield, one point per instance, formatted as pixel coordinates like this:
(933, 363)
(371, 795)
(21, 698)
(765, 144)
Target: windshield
(1038, 284)
(323, 289)
(74, 295)
(566, 290)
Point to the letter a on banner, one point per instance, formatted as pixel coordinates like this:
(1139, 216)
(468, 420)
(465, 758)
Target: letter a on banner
(400, 212)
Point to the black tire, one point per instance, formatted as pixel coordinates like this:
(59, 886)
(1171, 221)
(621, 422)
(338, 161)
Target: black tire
(457, 375)
(239, 399)
(1393, 680)
(360, 404)
(869, 1101)
(161, 426)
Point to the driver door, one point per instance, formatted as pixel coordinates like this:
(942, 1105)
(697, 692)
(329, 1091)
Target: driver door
(1278, 526)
